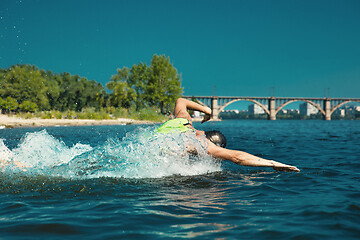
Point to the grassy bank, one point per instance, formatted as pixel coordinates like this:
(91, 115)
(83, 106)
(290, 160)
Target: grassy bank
(149, 114)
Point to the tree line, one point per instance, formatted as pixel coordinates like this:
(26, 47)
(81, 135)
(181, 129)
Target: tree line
(26, 88)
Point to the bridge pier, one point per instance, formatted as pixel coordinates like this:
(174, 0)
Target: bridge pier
(327, 109)
(272, 109)
(214, 108)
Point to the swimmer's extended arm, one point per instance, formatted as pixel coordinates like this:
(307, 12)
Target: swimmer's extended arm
(246, 159)
(182, 105)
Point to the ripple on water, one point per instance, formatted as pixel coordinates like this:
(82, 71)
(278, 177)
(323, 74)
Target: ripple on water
(320, 202)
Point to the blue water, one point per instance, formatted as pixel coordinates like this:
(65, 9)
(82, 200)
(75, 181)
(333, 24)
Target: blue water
(123, 182)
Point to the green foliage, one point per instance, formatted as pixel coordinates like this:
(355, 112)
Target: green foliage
(26, 115)
(123, 95)
(50, 91)
(142, 92)
(69, 114)
(9, 104)
(164, 85)
(46, 115)
(28, 106)
(118, 112)
(77, 93)
(56, 114)
(150, 114)
(145, 86)
(2, 102)
(90, 113)
(24, 82)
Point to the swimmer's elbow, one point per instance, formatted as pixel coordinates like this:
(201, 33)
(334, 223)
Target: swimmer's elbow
(225, 154)
(180, 100)
(236, 158)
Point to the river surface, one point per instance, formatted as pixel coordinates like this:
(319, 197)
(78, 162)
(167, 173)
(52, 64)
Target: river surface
(125, 182)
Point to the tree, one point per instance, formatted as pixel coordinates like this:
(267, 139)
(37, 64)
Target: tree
(50, 91)
(24, 82)
(138, 80)
(145, 86)
(123, 95)
(77, 93)
(53, 88)
(2, 102)
(164, 85)
(9, 104)
(28, 106)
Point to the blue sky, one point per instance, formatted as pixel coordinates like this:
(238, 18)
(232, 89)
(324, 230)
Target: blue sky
(231, 48)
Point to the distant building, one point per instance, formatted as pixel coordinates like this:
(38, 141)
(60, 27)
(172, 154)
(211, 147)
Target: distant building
(308, 109)
(292, 111)
(231, 111)
(255, 109)
(342, 112)
(197, 114)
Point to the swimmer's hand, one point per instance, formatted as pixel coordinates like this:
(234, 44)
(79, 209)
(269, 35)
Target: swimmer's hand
(206, 118)
(285, 168)
(207, 115)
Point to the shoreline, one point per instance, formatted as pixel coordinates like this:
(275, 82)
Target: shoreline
(16, 122)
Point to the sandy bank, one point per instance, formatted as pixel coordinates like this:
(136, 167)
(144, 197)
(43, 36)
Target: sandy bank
(11, 122)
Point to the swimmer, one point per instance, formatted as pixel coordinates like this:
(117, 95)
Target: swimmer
(17, 164)
(215, 140)
(6, 159)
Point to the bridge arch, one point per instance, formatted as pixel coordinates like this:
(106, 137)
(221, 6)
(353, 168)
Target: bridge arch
(340, 104)
(317, 106)
(244, 99)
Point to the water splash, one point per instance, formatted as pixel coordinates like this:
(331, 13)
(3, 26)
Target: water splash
(5, 153)
(140, 154)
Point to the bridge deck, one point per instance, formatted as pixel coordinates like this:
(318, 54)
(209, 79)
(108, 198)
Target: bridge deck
(272, 105)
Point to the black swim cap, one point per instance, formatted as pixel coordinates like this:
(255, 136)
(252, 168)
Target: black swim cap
(216, 137)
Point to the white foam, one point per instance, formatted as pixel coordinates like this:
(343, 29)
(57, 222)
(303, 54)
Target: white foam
(141, 154)
(5, 153)
(41, 150)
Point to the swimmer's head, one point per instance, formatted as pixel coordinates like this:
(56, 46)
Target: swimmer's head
(216, 137)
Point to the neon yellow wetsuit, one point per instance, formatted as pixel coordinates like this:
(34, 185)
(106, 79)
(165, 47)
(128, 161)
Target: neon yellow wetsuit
(178, 125)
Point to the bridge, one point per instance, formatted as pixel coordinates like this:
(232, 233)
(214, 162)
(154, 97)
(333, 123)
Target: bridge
(272, 105)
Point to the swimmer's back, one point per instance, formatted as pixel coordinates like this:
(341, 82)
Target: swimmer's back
(177, 125)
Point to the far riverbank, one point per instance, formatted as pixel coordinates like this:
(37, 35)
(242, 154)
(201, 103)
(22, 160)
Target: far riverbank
(13, 122)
